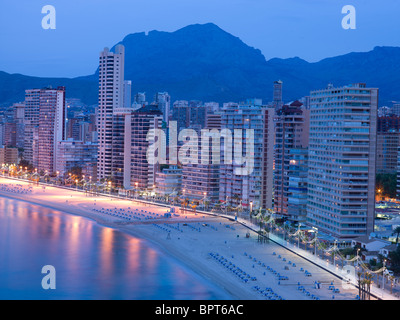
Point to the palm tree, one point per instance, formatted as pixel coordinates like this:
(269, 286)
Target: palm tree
(391, 278)
(207, 202)
(359, 284)
(397, 232)
(368, 282)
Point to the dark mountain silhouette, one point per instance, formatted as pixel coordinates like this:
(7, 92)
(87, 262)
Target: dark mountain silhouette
(203, 62)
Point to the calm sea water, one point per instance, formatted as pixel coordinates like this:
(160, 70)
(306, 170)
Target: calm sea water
(91, 261)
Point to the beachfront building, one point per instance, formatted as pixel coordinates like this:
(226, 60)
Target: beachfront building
(297, 185)
(291, 133)
(342, 159)
(44, 118)
(169, 181)
(118, 146)
(8, 155)
(115, 95)
(77, 154)
(111, 97)
(200, 181)
(253, 189)
(138, 172)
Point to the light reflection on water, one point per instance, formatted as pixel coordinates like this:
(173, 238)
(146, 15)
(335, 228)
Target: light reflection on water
(91, 261)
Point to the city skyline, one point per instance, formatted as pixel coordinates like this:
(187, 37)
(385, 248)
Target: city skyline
(263, 180)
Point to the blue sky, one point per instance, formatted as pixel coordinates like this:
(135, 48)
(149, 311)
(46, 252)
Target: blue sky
(309, 29)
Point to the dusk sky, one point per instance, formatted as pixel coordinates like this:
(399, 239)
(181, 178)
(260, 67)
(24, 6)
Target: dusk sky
(309, 29)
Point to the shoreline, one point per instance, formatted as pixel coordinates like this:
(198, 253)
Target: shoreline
(198, 241)
(190, 266)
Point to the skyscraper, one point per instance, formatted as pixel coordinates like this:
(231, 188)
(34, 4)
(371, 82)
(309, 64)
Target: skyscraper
(138, 172)
(201, 180)
(291, 133)
(111, 97)
(115, 95)
(45, 117)
(342, 149)
(277, 96)
(253, 189)
(127, 94)
(163, 100)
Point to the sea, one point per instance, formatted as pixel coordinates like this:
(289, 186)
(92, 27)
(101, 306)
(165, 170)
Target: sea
(87, 261)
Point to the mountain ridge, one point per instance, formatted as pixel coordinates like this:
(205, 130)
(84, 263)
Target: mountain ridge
(204, 62)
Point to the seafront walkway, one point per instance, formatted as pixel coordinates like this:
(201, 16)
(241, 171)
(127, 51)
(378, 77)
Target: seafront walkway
(348, 278)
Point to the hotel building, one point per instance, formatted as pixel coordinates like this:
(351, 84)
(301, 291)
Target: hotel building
(256, 188)
(291, 143)
(45, 119)
(138, 172)
(111, 97)
(342, 160)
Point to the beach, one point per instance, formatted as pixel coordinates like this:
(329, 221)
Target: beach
(214, 247)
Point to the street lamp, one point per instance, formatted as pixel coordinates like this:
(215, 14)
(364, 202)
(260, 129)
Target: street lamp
(298, 236)
(334, 252)
(315, 240)
(251, 208)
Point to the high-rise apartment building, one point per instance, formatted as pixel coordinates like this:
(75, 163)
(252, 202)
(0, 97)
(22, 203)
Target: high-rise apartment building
(201, 180)
(77, 154)
(45, 120)
(291, 133)
(111, 97)
(277, 95)
(188, 114)
(8, 155)
(138, 172)
(163, 100)
(386, 151)
(297, 185)
(255, 189)
(398, 174)
(342, 159)
(169, 181)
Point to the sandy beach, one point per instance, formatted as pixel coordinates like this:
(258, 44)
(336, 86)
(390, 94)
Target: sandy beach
(214, 247)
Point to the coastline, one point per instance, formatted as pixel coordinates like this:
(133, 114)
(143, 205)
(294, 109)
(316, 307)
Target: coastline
(212, 279)
(189, 247)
